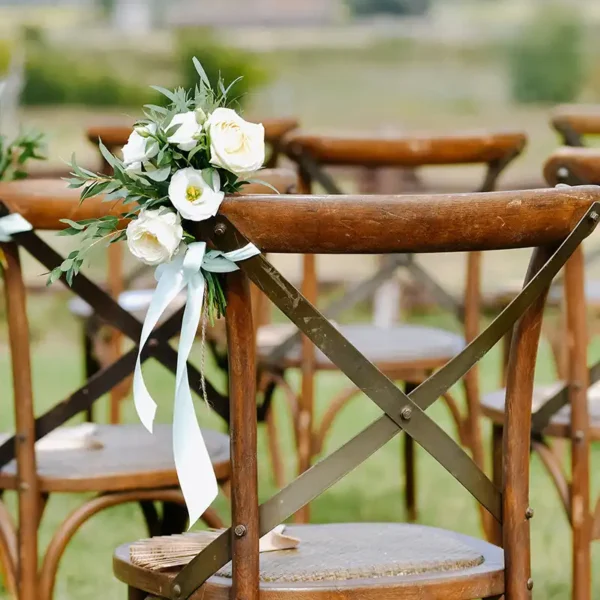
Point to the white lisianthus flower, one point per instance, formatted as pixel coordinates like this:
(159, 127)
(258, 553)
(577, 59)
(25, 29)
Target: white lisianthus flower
(235, 145)
(188, 132)
(196, 194)
(154, 237)
(139, 148)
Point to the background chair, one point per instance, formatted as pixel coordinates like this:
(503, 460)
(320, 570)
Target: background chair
(373, 560)
(566, 411)
(404, 352)
(123, 463)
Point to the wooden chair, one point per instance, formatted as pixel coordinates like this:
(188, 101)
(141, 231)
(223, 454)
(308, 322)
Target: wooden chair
(561, 412)
(377, 560)
(575, 121)
(405, 352)
(129, 466)
(108, 342)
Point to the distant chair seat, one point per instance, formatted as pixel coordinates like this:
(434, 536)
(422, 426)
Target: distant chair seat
(354, 560)
(133, 301)
(492, 405)
(128, 458)
(410, 345)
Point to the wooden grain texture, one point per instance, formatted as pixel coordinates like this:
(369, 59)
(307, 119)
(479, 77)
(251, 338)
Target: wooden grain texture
(27, 484)
(409, 150)
(581, 163)
(521, 367)
(243, 433)
(581, 118)
(420, 223)
(581, 521)
(44, 202)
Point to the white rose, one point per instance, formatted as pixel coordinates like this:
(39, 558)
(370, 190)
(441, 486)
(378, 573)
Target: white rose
(154, 237)
(139, 148)
(235, 144)
(196, 194)
(188, 132)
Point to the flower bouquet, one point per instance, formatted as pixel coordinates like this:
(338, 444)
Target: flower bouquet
(177, 166)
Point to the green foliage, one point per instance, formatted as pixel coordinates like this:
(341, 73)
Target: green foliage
(14, 155)
(6, 49)
(546, 61)
(56, 77)
(218, 61)
(391, 7)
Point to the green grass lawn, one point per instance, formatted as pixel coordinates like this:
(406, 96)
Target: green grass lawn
(373, 492)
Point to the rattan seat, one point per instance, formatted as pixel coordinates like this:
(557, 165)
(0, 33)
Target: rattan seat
(406, 344)
(358, 560)
(130, 458)
(492, 405)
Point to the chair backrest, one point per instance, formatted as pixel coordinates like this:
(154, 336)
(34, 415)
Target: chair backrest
(575, 121)
(552, 221)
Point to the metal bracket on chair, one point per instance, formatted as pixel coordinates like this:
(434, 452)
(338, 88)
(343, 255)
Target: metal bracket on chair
(402, 412)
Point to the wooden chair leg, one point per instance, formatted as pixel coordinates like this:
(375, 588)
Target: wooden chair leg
(495, 531)
(133, 594)
(275, 448)
(410, 479)
(175, 517)
(410, 471)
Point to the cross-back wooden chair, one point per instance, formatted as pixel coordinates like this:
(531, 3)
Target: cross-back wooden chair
(109, 342)
(377, 560)
(566, 411)
(131, 465)
(404, 352)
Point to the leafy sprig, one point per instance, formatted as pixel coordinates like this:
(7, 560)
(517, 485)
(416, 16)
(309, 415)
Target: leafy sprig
(14, 155)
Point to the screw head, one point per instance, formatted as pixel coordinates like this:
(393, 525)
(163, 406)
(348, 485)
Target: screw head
(578, 435)
(240, 530)
(594, 216)
(220, 228)
(176, 590)
(530, 584)
(406, 413)
(529, 513)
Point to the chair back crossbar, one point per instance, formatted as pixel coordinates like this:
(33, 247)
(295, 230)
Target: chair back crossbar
(401, 412)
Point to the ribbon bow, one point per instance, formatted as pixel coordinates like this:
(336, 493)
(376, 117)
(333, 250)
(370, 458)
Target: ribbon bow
(192, 461)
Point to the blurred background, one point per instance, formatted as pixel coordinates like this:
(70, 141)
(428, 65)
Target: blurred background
(333, 64)
(385, 66)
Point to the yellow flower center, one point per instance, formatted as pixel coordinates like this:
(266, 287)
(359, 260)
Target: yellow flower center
(150, 239)
(192, 193)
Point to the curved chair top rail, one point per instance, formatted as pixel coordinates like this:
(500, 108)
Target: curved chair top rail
(356, 224)
(583, 119)
(43, 202)
(570, 163)
(407, 150)
(116, 135)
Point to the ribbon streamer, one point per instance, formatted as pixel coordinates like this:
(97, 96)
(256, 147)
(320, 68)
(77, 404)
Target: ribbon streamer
(192, 461)
(11, 224)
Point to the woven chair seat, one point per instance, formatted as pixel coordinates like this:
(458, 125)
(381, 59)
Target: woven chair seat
(493, 407)
(124, 457)
(402, 344)
(368, 557)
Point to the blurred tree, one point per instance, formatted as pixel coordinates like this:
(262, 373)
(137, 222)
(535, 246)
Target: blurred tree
(546, 60)
(107, 7)
(390, 7)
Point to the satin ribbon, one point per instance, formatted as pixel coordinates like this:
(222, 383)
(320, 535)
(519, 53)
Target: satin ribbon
(11, 224)
(192, 461)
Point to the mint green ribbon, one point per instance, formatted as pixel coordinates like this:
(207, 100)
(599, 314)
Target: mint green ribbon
(192, 461)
